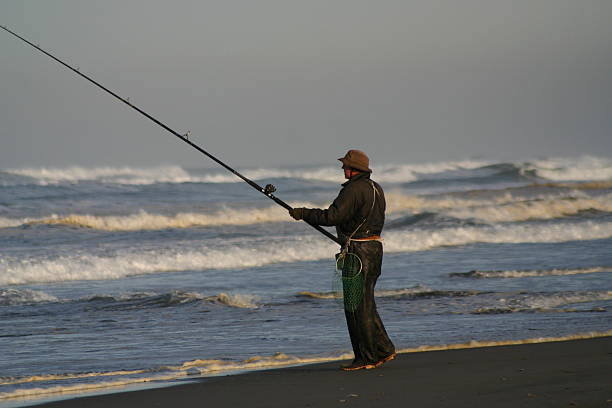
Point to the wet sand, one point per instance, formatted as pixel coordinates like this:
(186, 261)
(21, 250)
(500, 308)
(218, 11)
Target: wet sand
(575, 373)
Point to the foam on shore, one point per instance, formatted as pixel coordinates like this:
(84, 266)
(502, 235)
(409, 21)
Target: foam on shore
(209, 367)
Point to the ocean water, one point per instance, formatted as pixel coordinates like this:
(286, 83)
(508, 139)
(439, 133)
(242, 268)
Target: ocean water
(113, 276)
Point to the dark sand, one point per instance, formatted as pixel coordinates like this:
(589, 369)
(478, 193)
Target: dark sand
(574, 373)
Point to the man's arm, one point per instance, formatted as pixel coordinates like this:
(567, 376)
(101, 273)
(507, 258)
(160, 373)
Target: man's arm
(338, 212)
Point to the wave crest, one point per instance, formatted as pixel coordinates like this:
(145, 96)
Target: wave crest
(543, 302)
(12, 297)
(418, 291)
(530, 272)
(585, 168)
(119, 175)
(146, 221)
(174, 298)
(534, 209)
(241, 254)
(505, 208)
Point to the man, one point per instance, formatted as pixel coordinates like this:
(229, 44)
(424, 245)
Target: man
(358, 213)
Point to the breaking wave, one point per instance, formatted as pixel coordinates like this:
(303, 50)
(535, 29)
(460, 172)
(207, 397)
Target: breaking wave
(119, 175)
(154, 175)
(534, 209)
(482, 302)
(240, 254)
(176, 174)
(419, 240)
(542, 302)
(10, 223)
(397, 201)
(146, 221)
(12, 297)
(586, 168)
(141, 262)
(406, 173)
(592, 169)
(504, 208)
(530, 272)
(418, 291)
(173, 298)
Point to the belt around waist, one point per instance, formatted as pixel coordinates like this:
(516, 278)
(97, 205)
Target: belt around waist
(371, 238)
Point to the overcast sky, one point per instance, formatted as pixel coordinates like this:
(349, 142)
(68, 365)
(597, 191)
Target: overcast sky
(275, 82)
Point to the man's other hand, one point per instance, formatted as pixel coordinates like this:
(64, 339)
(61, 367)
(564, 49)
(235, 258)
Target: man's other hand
(297, 213)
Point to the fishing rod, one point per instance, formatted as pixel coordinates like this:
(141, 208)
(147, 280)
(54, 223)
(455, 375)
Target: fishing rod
(268, 190)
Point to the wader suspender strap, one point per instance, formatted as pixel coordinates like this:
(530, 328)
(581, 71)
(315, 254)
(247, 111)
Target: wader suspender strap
(348, 241)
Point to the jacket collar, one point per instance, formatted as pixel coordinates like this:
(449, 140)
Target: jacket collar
(362, 175)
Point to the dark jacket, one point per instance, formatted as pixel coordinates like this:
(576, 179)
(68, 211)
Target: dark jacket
(351, 207)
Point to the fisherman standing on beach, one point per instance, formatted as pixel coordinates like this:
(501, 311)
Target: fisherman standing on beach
(358, 213)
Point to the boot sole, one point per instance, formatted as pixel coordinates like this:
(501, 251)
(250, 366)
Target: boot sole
(361, 367)
(385, 360)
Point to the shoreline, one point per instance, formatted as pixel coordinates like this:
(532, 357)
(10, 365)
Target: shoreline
(552, 373)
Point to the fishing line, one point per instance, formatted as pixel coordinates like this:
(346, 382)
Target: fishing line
(268, 190)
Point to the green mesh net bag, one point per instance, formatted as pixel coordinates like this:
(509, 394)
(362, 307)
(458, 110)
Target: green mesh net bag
(347, 284)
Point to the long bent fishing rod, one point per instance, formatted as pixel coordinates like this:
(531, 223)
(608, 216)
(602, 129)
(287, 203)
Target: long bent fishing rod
(268, 190)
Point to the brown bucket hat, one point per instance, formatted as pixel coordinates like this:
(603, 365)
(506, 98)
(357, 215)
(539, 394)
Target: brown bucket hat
(356, 159)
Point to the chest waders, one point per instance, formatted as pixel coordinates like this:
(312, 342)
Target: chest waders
(347, 283)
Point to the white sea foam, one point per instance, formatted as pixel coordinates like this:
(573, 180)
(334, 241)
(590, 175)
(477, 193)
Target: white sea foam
(206, 367)
(177, 297)
(416, 240)
(146, 221)
(404, 173)
(546, 301)
(119, 175)
(387, 173)
(421, 240)
(478, 302)
(416, 290)
(553, 300)
(478, 343)
(250, 254)
(583, 168)
(533, 209)
(501, 208)
(164, 174)
(175, 174)
(198, 367)
(239, 300)
(120, 265)
(32, 393)
(11, 297)
(532, 272)
(10, 223)
(561, 169)
(398, 202)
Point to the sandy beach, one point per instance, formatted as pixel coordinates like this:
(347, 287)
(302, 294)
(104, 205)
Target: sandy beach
(556, 374)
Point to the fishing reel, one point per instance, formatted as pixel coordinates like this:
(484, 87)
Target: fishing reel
(269, 189)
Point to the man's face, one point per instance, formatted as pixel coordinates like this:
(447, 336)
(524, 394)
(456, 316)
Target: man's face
(348, 173)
